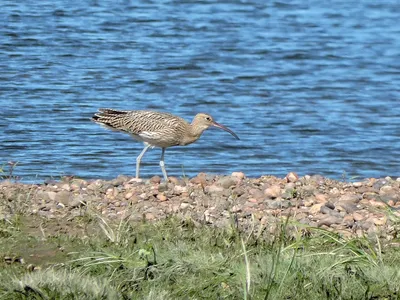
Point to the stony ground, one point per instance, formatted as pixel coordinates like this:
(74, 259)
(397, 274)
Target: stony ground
(369, 207)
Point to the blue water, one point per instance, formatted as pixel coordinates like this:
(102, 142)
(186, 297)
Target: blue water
(309, 87)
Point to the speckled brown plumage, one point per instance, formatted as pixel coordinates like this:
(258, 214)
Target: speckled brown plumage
(156, 129)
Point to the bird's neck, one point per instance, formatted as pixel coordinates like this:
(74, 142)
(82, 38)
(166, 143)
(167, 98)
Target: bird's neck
(192, 134)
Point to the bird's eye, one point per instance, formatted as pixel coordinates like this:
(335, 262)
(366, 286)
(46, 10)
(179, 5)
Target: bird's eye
(208, 119)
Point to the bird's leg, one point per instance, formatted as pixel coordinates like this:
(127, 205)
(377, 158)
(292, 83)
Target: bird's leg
(162, 165)
(139, 158)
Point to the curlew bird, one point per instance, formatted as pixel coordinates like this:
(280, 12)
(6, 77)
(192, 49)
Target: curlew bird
(156, 129)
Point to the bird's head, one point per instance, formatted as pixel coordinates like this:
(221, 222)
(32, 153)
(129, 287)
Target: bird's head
(204, 121)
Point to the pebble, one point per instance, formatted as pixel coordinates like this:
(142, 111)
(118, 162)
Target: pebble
(272, 191)
(212, 189)
(161, 197)
(226, 182)
(292, 177)
(184, 205)
(163, 187)
(238, 175)
(316, 208)
(329, 220)
(346, 206)
(321, 198)
(63, 197)
(155, 179)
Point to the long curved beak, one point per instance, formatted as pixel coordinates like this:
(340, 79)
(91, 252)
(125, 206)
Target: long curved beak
(215, 124)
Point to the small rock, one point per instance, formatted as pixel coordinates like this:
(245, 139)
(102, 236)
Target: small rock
(226, 182)
(358, 184)
(379, 221)
(365, 225)
(128, 195)
(66, 187)
(335, 191)
(252, 200)
(351, 198)
(163, 187)
(379, 184)
(155, 179)
(199, 179)
(178, 190)
(292, 177)
(52, 195)
(60, 205)
(329, 220)
(376, 203)
(63, 197)
(239, 191)
(316, 208)
(326, 210)
(346, 206)
(321, 198)
(175, 180)
(273, 191)
(184, 205)
(308, 202)
(161, 197)
(149, 216)
(236, 209)
(278, 204)
(238, 175)
(136, 180)
(212, 189)
(348, 220)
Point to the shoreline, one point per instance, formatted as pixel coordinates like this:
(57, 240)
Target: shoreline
(353, 209)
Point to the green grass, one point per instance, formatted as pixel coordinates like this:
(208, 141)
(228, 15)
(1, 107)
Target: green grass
(176, 259)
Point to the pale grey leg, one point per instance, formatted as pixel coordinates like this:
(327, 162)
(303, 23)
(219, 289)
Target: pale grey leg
(139, 158)
(162, 165)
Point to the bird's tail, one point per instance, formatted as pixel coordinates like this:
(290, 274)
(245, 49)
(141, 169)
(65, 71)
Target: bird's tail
(109, 118)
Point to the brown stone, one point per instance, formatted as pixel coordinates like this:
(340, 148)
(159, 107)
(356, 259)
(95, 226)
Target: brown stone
(329, 220)
(351, 198)
(161, 197)
(348, 220)
(226, 182)
(238, 175)
(321, 198)
(358, 217)
(292, 177)
(379, 221)
(273, 191)
(214, 189)
(128, 195)
(174, 180)
(316, 208)
(376, 203)
(346, 206)
(358, 184)
(155, 179)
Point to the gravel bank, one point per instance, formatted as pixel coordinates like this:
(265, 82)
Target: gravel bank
(369, 207)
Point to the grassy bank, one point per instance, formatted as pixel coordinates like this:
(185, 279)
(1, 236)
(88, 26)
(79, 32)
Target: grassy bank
(90, 258)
